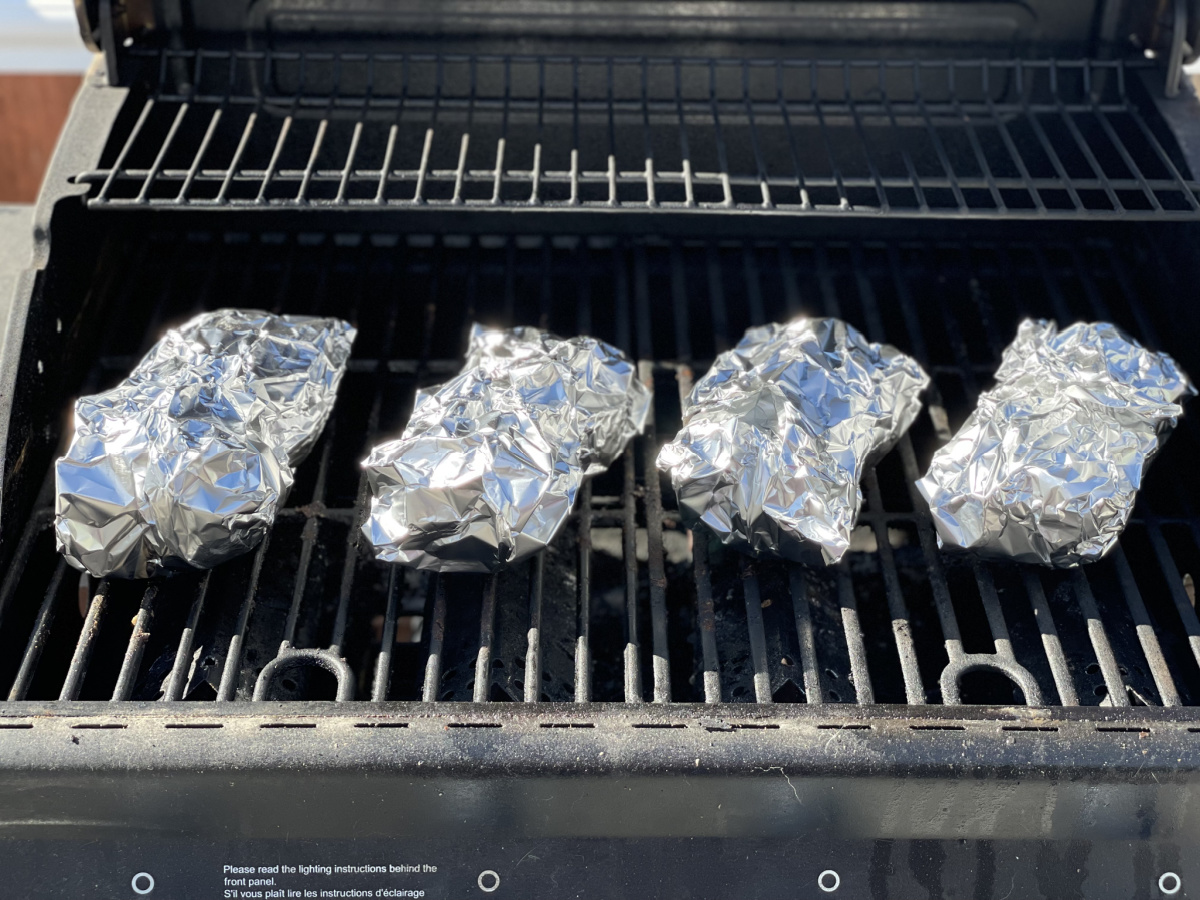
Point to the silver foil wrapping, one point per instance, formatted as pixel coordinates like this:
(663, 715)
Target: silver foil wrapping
(185, 462)
(1047, 467)
(777, 433)
(487, 470)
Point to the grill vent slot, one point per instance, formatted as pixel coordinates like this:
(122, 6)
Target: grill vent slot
(938, 727)
(194, 725)
(1030, 728)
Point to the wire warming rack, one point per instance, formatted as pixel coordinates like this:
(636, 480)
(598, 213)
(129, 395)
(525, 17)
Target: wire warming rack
(954, 138)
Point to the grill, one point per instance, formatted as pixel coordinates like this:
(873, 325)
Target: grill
(626, 605)
(636, 710)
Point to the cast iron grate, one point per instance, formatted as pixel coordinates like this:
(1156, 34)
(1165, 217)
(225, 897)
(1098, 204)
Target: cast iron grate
(966, 138)
(626, 606)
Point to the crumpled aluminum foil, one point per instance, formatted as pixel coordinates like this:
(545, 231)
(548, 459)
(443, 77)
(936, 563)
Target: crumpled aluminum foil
(1047, 467)
(185, 462)
(488, 467)
(777, 433)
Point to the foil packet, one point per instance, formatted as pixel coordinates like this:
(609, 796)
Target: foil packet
(487, 470)
(185, 461)
(776, 435)
(1047, 467)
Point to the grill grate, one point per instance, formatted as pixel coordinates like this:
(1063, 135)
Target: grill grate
(974, 138)
(625, 606)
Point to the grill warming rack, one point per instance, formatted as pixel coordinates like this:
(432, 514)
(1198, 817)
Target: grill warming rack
(979, 138)
(900, 623)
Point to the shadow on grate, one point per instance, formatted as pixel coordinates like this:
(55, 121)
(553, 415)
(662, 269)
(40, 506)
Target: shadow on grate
(626, 605)
(965, 138)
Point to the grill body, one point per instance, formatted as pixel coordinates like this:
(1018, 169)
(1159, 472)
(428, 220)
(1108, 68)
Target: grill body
(636, 710)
